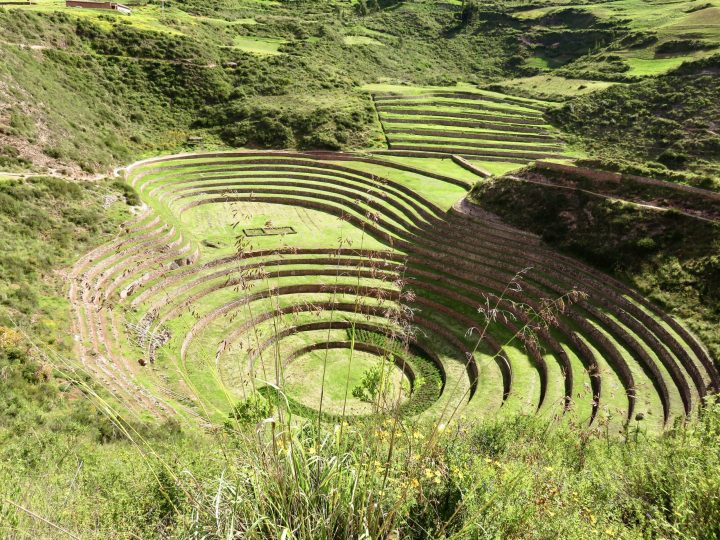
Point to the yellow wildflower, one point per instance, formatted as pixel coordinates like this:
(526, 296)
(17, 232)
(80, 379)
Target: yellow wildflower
(9, 337)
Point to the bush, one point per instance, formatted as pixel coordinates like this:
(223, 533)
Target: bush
(376, 385)
(646, 244)
(304, 124)
(10, 158)
(673, 159)
(682, 46)
(131, 196)
(249, 412)
(58, 188)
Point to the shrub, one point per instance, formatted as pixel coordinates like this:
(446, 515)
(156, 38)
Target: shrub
(131, 196)
(682, 45)
(21, 124)
(10, 158)
(53, 152)
(673, 159)
(646, 244)
(376, 385)
(249, 412)
(306, 124)
(58, 188)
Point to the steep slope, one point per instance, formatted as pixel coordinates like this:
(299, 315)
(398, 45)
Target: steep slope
(86, 89)
(671, 122)
(665, 243)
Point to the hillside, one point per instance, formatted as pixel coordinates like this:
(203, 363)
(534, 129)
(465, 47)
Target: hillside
(390, 269)
(65, 70)
(118, 73)
(669, 122)
(663, 242)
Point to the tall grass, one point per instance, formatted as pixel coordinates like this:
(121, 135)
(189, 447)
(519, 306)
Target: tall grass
(516, 478)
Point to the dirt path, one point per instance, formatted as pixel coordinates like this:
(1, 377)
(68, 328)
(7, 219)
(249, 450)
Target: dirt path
(54, 174)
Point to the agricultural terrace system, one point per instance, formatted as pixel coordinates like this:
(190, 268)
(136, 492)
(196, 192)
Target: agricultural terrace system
(250, 271)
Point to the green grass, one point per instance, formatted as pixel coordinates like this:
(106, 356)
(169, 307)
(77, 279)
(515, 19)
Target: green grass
(258, 45)
(204, 223)
(362, 40)
(686, 97)
(215, 384)
(654, 23)
(407, 90)
(538, 62)
(303, 380)
(313, 228)
(503, 116)
(655, 66)
(464, 140)
(497, 167)
(147, 18)
(551, 86)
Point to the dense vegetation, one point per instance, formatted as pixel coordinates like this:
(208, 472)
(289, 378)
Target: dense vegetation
(145, 90)
(45, 223)
(669, 255)
(670, 121)
(97, 476)
(517, 478)
(327, 121)
(100, 88)
(46, 403)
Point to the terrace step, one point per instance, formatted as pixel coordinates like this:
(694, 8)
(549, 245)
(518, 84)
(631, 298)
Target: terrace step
(527, 156)
(474, 143)
(440, 155)
(435, 270)
(507, 100)
(478, 135)
(432, 113)
(477, 124)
